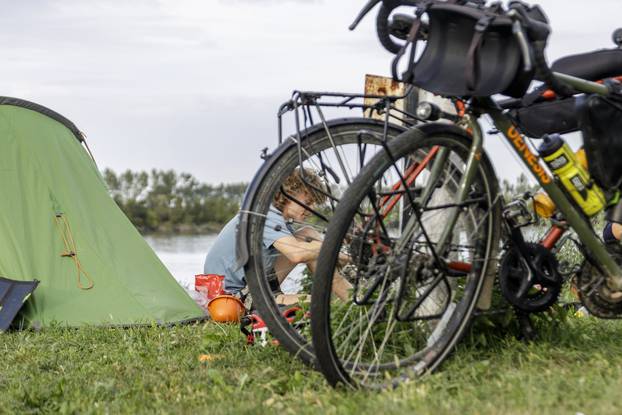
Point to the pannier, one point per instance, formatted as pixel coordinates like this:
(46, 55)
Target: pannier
(559, 116)
(600, 119)
(548, 117)
(469, 52)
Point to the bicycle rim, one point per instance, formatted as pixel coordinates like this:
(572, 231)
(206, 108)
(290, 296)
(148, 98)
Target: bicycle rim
(411, 299)
(355, 143)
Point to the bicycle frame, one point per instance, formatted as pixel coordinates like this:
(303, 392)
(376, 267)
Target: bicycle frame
(573, 216)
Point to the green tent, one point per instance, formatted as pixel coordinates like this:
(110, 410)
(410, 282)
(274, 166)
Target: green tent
(59, 225)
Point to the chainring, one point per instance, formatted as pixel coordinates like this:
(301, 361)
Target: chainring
(530, 293)
(593, 290)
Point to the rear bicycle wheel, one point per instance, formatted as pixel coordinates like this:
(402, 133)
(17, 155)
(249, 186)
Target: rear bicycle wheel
(336, 154)
(415, 286)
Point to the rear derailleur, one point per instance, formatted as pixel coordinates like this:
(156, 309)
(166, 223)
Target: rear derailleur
(594, 293)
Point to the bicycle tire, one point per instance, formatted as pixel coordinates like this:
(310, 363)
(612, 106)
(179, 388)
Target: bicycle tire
(343, 131)
(408, 142)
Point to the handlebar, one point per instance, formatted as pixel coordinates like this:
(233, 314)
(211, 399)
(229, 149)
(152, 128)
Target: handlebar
(366, 9)
(384, 27)
(533, 33)
(383, 31)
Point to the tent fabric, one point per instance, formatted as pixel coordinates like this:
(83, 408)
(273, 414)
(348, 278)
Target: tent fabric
(13, 294)
(46, 172)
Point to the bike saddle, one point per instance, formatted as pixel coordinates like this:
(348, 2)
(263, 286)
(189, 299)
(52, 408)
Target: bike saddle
(593, 66)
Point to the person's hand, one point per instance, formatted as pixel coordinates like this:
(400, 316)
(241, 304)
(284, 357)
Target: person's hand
(343, 258)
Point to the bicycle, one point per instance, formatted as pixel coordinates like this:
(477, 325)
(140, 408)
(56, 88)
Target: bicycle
(336, 150)
(417, 279)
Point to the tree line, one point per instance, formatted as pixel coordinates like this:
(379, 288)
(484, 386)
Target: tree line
(167, 201)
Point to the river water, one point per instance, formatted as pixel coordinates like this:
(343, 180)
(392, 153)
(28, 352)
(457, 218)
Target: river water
(184, 256)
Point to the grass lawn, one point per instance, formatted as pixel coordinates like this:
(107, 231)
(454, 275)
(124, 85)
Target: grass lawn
(575, 366)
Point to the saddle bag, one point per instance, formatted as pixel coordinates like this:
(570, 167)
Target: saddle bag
(470, 51)
(548, 117)
(600, 119)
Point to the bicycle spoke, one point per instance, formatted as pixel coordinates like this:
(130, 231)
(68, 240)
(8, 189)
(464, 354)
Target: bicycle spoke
(405, 292)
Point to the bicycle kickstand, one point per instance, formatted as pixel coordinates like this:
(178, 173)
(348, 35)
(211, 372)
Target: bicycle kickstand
(525, 326)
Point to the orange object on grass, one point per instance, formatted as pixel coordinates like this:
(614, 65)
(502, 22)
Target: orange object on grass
(226, 309)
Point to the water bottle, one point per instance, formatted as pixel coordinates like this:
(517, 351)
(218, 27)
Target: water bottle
(572, 173)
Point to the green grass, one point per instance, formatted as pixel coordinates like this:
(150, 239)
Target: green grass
(575, 366)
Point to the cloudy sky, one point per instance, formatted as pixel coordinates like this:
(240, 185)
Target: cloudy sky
(194, 85)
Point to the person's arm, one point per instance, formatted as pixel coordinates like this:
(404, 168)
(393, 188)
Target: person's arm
(298, 250)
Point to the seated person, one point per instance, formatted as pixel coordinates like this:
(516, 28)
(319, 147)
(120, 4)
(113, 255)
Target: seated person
(283, 246)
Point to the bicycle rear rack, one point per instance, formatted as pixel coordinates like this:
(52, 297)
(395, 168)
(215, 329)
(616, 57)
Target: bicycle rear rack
(376, 106)
(309, 106)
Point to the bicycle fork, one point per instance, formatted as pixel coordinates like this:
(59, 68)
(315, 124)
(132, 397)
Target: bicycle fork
(442, 155)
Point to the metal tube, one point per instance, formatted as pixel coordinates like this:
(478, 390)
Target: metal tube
(472, 165)
(552, 236)
(435, 172)
(581, 84)
(332, 143)
(573, 217)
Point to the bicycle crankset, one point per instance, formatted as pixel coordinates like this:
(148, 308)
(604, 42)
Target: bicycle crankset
(530, 288)
(593, 290)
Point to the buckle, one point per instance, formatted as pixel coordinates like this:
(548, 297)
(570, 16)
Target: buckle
(614, 86)
(483, 23)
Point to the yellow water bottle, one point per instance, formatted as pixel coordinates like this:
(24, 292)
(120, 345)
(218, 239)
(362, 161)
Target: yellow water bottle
(572, 174)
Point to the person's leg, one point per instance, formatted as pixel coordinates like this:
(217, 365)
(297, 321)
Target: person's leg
(341, 287)
(282, 268)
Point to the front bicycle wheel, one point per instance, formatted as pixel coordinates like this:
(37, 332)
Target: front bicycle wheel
(416, 278)
(335, 153)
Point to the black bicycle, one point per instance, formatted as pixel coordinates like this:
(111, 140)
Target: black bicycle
(421, 223)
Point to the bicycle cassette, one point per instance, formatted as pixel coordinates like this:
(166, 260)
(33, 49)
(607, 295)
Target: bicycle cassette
(593, 290)
(526, 290)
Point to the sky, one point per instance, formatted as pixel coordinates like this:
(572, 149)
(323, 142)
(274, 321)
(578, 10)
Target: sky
(194, 85)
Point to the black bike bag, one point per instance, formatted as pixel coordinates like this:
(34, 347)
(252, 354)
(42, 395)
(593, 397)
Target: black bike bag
(470, 51)
(600, 119)
(547, 117)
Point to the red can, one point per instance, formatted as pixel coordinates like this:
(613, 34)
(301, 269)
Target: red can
(210, 285)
